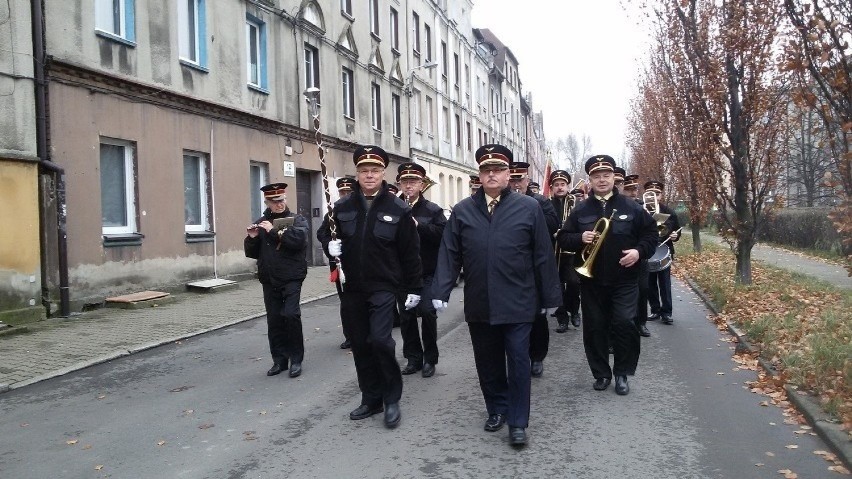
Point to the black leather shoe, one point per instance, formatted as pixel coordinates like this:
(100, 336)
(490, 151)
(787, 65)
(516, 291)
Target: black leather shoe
(346, 344)
(517, 436)
(410, 368)
(563, 326)
(536, 369)
(495, 422)
(364, 411)
(601, 383)
(276, 369)
(643, 331)
(666, 319)
(428, 370)
(575, 320)
(621, 387)
(392, 415)
(654, 317)
(295, 370)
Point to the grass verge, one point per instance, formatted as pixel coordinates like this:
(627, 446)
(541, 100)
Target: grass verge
(802, 326)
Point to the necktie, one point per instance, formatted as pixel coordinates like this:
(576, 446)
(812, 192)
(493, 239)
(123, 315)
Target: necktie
(491, 206)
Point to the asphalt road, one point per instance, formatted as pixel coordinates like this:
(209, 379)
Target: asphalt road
(205, 408)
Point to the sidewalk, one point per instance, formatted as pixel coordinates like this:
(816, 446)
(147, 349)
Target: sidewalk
(781, 258)
(58, 346)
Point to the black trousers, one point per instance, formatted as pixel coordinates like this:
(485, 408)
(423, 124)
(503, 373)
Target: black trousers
(413, 349)
(539, 338)
(570, 288)
(608, 312)
(642, 310)
(284, 322)
(660, 292)
(368, 321)
(501, 353)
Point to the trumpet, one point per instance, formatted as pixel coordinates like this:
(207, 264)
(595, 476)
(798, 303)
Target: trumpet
(652, 206)
(590, 251)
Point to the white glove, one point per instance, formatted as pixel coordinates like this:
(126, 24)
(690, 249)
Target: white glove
(411, 301)
(335, 248)
(440, 306)
(548, 311)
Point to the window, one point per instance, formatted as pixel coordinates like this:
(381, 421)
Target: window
(458, 132)
(416, 104)
(394, 29)
(196, 192)
(446, 119)
(396, 110)
(469, 139)
(430, 115)
(416, 21)
(456, 69)
(348, 93)
(256, 52)
(114, 19)
(192, 31)
(444, 62)
(376, 113)
(428, 32)
(118, 187)
(346, 7)
(374, 17)
(312, 67)
(258, 176)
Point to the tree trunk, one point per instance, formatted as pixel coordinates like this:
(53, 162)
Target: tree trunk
(696, 237)
(744, 247)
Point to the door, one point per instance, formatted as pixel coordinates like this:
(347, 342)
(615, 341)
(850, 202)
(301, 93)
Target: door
(303, 198)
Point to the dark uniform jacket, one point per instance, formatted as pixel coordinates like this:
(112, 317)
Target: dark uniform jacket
(672, 224)
(551, 217)
(280, 258)
(430, 225)
(510, 271)
(630, 228)
(381, 247)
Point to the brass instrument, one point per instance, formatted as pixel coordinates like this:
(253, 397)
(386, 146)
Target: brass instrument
(427, 183)
(590, 251)
(567, 206)
(652, 206)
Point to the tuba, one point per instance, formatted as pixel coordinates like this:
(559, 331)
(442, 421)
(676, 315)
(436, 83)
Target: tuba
(652, 206)
(590, 251)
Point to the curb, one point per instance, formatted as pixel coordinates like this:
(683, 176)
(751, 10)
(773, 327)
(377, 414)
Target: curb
(144, 347)
(830, 432)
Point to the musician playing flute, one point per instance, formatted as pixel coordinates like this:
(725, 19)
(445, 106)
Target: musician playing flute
(421, 352)
(610, 296)
(660, 282)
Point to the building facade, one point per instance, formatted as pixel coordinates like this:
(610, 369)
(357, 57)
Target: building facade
(167, 117)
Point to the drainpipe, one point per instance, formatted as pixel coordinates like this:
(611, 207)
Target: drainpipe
(46, 165)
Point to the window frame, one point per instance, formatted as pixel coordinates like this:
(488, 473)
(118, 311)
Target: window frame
(430, 113)
(198, 34)
(263, 179)
(427, 30)
(312, 67)
(418, 111)
(415, 19)
(130, 197)
(122, 11)
(346, 7)
(374, 18)
(260, 36)
(348, 86)
(376, 106)
(396, 115)
(394, 29)
(204, 192)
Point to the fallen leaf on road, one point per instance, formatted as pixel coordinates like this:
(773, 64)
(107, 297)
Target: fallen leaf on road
(102, 396)
(764, 403)
(25, 424)
(205, 426)
(262, 413)
(840, 469)
(71, 442)
(160, 443)
(791, 446)
(180, 389)
(99, 467)
(759, 464)
(87, 447)
(720, 374)
(316, 329)
(770, 454)
(188, 412)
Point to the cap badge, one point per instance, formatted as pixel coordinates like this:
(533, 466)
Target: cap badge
(622, 217)
(386, 218)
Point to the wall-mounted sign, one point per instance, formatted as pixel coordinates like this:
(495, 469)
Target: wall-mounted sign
(289, 168)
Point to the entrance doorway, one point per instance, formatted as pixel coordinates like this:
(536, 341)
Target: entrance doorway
(303, 198)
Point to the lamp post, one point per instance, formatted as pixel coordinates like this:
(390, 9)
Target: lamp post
(410, 82)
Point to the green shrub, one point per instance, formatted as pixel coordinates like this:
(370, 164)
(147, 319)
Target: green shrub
(807, 228)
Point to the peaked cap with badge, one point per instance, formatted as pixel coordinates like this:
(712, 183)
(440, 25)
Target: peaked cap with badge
(370, 155)
(600, 163)
(560, 175)
(493, 155)
(274, 191)
(411, 170)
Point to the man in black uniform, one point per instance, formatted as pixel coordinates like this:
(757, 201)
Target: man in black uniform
(660, 282)
(500, 238)
(519, 181)
(631, 189)
(610, 294)
(281, 269)
(430, 221)
(379, 252)
(569, 312)
(344, 189)
(619, 177)
(534, 187)
(474, 184)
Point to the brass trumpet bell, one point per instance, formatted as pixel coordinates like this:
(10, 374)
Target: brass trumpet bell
(590, 251)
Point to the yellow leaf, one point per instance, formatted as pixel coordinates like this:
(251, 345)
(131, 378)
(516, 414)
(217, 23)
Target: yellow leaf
(160, 443)
(791, 446)
(71, 442)
(99, 467)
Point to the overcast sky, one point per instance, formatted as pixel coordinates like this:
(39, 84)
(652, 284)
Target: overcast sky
(579, 58)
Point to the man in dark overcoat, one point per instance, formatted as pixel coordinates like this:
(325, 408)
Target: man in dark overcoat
(379, 252)
(281, 269)
(563, 202)
(500, 237)
(611, 293)
(660, 282)
(631, 190)
(344, 189)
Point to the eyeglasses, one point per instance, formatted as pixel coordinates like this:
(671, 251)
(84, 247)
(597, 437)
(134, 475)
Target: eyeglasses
(490, 171)
(282, 200)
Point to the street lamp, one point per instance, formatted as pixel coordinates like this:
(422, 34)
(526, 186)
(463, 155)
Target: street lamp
(410, 81)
